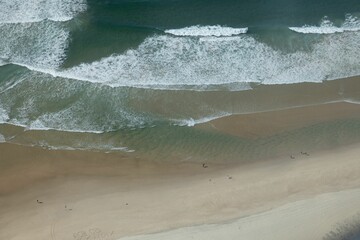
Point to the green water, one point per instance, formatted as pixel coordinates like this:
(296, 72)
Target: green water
(113, 75)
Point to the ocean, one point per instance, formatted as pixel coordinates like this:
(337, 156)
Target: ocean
(138, 75)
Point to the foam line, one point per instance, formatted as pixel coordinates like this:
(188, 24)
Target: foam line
(206, 31)
(351, 24)
(2, 139)
(192, 122)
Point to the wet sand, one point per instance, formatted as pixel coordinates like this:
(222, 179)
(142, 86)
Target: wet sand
(273, 122)
(53, 194)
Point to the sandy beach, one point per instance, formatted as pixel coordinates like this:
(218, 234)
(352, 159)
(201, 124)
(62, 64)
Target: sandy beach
(57, 194)
(179, 120)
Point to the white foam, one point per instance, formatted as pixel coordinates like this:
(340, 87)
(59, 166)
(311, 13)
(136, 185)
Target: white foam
(2, 139)
(204, 31)
(122, 149)
(192, 122)
(327, 27)
(47, 146)
(33, 44)
(4, 117)
(169, 62)
(41, 127)
(20, 11)
(352, 101)
(3, 62)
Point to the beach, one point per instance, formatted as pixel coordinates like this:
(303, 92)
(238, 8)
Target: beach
(158, 119)
(119, 195)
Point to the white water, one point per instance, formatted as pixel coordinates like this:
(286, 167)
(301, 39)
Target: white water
(35, 44)
(30, 34)
(171, 61)
(192, 122)
(2, 139)
(22, 11)
(3, 115)
(351, 24)
(165, 62)
(3, 62)
(203, 31)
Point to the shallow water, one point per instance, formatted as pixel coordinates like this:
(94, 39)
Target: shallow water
(143, 70)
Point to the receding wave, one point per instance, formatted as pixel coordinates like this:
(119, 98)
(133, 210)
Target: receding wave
(22, 105)
(205, 31)
(19, 11)
(192, 122)
(351, 24)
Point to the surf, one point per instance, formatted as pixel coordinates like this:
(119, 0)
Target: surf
(169, 62)
(18, 11)
(207, 31)
(351, 24)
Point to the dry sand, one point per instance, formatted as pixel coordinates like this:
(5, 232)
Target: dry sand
(99, 196)
(327, 216)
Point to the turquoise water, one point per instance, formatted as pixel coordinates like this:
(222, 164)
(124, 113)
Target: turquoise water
(135, 71)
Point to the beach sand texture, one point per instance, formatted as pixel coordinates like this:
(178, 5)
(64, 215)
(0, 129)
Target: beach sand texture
(179, 119)
(95, 195)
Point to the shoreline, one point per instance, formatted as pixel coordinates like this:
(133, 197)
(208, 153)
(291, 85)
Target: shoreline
(118, 195)
(267, 123)
(231, 139)
(127, 199)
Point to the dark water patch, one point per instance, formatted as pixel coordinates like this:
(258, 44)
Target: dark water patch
(181, 13)
(349, 230)
(284, 40)
(95, 40)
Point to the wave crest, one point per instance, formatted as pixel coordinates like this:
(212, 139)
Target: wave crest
(171, 61)
(351, 24)
(207, 31)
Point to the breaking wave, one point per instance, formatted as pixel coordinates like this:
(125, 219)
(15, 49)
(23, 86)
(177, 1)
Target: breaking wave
(206, 31)
(171, 62)
(351, 24)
